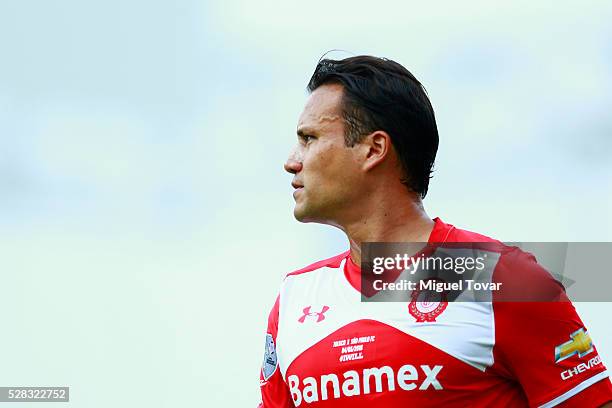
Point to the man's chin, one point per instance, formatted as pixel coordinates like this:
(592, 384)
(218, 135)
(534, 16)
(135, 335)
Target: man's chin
(299, 215)
(302, 215)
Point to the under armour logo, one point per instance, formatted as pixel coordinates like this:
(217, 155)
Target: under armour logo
(320, 315)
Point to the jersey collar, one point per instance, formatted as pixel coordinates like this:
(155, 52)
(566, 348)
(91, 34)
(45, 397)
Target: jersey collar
(439, 233)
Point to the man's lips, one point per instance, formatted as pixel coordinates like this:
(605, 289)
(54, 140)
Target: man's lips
(298, 187)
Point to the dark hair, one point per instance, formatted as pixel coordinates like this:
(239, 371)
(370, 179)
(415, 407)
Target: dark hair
(380, 94)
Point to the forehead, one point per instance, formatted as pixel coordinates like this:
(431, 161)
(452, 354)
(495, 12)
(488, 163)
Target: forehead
(323, 108)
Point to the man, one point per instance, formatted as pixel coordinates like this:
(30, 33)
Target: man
(367, 140)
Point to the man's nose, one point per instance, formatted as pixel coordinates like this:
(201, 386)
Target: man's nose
(293, 164)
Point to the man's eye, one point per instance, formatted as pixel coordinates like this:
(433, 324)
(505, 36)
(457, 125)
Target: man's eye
(306, 138)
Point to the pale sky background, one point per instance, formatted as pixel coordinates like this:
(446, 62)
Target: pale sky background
(145, 218)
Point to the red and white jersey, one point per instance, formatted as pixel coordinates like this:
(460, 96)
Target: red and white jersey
(326, 348)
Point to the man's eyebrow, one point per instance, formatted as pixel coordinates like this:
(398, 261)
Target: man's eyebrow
(305, 131)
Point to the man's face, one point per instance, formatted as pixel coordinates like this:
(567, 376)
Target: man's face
(326, 171)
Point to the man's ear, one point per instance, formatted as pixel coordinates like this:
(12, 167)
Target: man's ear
(376, 145)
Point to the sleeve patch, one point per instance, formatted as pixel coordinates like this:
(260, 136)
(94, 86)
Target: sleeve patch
(270, 361)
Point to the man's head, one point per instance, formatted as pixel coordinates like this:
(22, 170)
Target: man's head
(365, 117)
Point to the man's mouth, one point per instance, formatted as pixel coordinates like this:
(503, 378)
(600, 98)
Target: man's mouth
(297, 187)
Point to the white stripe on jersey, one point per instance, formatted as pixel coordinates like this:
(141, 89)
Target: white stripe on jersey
(567, 395)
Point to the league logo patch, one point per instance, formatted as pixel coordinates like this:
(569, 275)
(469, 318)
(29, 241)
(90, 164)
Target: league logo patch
(270, 361)
(426, 305)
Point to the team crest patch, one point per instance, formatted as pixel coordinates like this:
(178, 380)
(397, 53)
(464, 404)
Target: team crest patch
(270, 361)
(426, 305)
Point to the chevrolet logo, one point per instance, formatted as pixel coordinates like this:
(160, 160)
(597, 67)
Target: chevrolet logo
(580, 344)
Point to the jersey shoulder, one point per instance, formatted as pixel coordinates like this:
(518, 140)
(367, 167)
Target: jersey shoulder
(515, 264)
(477, 240)
(521, 277)
(455, 234)
(333, 262)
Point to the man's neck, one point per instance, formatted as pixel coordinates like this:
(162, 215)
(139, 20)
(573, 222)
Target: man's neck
(397, 223)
